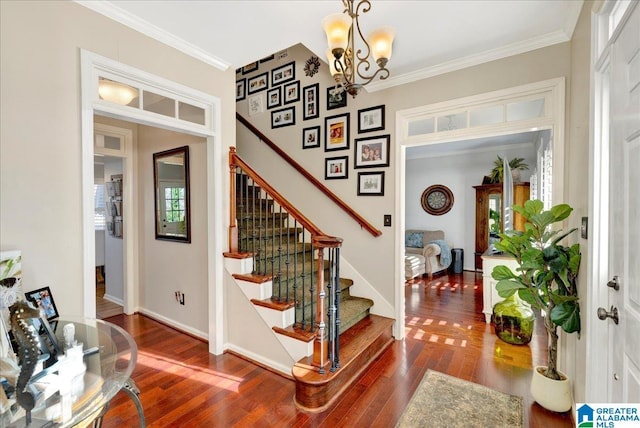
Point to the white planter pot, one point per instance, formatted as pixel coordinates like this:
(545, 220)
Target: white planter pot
(554, 395)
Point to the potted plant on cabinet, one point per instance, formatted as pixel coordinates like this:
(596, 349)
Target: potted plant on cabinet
(546, 279)
(516, 165)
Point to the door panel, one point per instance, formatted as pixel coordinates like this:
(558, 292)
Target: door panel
(624, 243)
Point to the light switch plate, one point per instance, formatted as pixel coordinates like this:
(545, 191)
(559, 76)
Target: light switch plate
(387, 220)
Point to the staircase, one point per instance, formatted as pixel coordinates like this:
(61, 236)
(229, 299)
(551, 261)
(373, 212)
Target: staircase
(329, 332)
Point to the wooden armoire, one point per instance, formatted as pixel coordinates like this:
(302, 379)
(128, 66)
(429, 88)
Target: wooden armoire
(484, 193)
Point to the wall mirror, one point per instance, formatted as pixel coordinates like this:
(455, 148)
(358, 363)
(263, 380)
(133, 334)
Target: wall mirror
(171, 178)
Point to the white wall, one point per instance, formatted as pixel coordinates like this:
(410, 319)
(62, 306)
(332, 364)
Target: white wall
(168, 266)
(459, 173)
(40, 114)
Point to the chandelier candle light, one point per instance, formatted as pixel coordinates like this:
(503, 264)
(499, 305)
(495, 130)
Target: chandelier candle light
(349, 63)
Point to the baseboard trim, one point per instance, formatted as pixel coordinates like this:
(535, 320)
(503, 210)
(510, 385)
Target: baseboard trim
(197, 334)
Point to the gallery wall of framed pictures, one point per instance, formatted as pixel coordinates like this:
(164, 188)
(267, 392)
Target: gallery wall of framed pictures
(325, 123)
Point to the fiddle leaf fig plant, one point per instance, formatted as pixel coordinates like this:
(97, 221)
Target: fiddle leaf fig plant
(546, 278)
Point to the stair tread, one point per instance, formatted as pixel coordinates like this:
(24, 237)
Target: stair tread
(352, 343)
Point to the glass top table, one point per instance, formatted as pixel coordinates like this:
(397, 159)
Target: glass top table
(67, 396)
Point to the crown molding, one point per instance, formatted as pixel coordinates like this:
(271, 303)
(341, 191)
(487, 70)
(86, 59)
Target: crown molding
(117, 14)
(550, 39)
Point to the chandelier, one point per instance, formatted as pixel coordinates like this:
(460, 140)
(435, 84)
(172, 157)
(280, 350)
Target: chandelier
(350, 63)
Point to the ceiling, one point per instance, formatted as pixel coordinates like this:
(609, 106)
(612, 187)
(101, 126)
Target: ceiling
(432, 37)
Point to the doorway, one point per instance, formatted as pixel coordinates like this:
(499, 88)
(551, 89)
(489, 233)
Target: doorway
(536, 106)
(206, 124)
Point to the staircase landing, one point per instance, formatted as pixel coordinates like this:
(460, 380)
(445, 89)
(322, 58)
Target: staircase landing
(359, 347)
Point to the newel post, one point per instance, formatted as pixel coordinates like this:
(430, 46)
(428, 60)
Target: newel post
(321, 355)
(233, 227)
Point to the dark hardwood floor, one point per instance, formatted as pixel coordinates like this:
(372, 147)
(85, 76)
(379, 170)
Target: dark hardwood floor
(182, 385)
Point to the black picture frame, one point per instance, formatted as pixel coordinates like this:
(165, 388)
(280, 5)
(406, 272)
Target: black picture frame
(274, 97)
(336, 132)
(371, 183)
(43, 298)
(258, 83)
(371, 152)
(250, 67)
(336, 98)
(336, 168)
(291, 92)
(241, 89)
(371, 119)
(283, 74)
(283, 117)
(311, 137)
(311, 101)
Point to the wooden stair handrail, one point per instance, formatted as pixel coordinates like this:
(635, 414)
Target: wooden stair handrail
(346, 208)
(235, 160)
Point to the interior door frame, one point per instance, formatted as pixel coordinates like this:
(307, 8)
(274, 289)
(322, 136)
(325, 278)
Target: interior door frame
(553, 91)
(603, 35)
(129, 210)
(92, 66)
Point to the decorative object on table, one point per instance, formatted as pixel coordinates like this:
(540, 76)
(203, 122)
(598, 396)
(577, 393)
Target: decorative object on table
(43, 298)
(547, 281)
(10, 293)
(257, 83)
(513, 321)
(21, 315)
(310, 101)
(311, 137)
(371, 152)
(446, 401)
(516, 165)
(336, 168)
(274, 97)
(371, 119)
(283, 117)
(335, 98)
(283, 74)
(371, 184)
(311, 66)
(349, 58)
(291, 92)
(241, 89)
(437, 199)
(172, 192)
(336, 132)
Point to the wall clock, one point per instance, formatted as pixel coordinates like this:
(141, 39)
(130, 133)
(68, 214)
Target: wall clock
(437, 199)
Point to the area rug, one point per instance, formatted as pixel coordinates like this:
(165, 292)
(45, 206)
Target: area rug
(446, 401)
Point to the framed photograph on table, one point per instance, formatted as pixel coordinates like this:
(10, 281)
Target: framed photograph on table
(371, 119)
(336, 98)
(311, 137)
(43, 298)
(241, 89)
(274, 97)
(283, 73)
(258, 83)
(371, 184)
(283, 117)
(291, 92)
(310, 101)
(336, 168)
(336, 132)
(371, 152)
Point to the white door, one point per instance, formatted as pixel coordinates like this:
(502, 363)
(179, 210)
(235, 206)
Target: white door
(624, 214)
